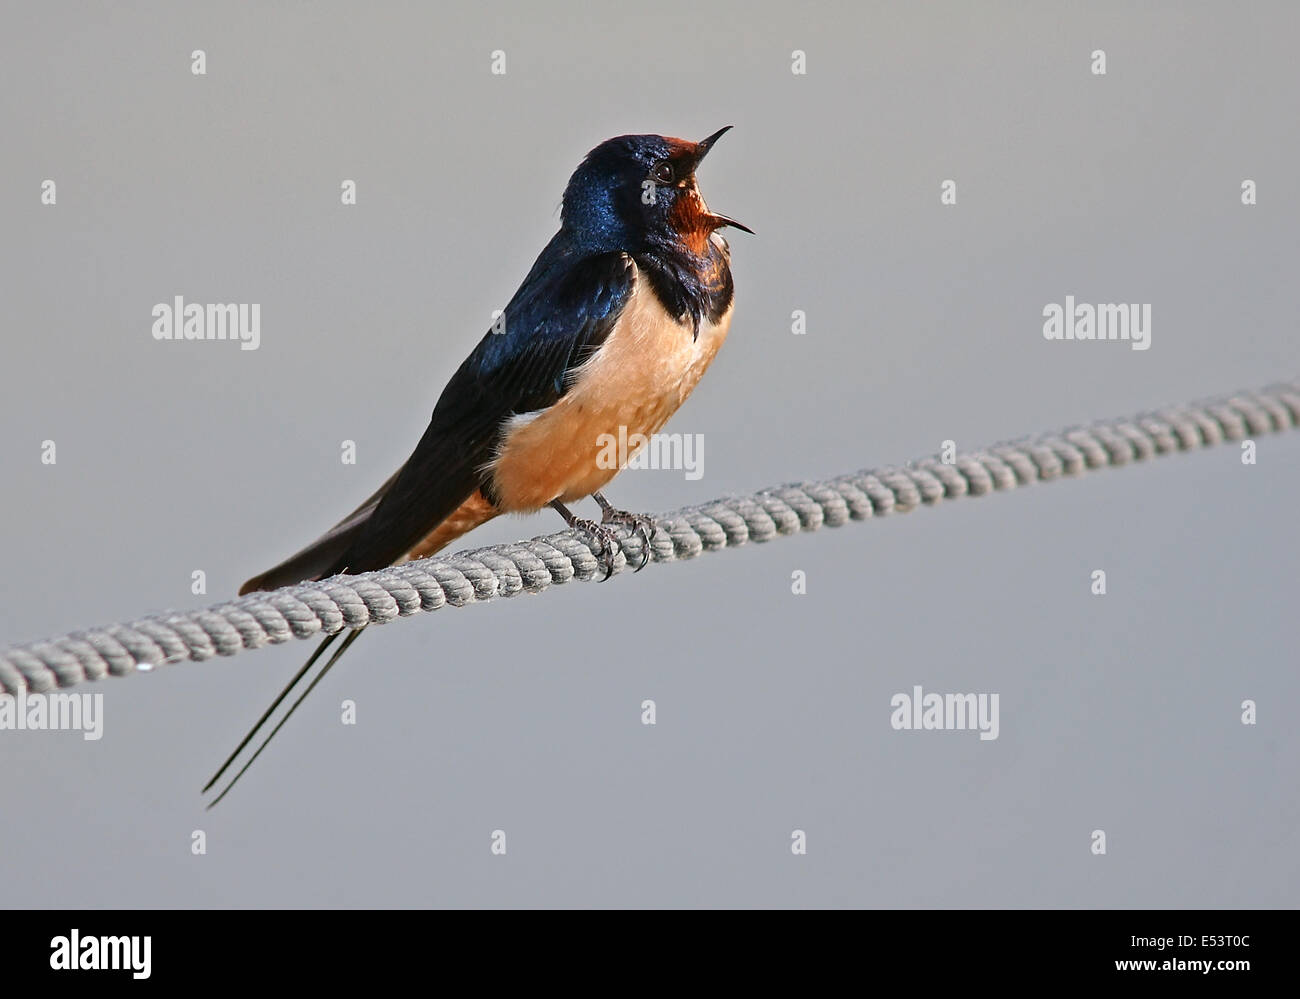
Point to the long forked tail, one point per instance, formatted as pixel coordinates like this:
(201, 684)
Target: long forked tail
(266, 715)
(348, 548)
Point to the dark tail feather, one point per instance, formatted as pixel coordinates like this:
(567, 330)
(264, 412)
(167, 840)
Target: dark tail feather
(297, 677)
(320, 649)
(313, 562)
(321, 557)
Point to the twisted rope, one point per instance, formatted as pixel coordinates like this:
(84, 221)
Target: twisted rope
(483, 574)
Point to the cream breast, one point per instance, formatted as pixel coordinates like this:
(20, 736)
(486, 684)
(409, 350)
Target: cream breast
(646, 368)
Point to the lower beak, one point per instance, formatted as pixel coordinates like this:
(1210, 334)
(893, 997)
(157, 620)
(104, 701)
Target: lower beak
(722, 220)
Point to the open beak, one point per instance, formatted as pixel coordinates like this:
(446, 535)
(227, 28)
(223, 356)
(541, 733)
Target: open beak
(702, 150)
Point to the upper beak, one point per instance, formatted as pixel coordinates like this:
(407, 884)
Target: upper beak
(704, 145)
(702, 150)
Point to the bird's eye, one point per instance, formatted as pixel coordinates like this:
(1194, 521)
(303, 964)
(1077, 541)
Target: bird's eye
(662, 172)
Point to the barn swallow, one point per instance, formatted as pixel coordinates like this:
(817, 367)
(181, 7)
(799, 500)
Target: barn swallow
(612, 328)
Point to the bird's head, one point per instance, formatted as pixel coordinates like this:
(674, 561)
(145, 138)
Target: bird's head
(638, 192)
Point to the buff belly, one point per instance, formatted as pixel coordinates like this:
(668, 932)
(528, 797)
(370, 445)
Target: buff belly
(643, 372)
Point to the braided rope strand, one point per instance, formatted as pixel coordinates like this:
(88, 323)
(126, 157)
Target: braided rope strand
(479, 575)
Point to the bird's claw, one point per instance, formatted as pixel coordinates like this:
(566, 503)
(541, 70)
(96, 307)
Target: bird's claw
(607, 546)
(642, 524)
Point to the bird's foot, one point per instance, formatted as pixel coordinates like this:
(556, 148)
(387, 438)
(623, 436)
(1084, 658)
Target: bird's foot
(641, 523)
(606, 541)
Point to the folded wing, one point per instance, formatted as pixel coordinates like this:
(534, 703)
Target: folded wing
(560, 315)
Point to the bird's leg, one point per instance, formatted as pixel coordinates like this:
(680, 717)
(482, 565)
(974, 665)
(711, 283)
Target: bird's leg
(606, 540)
(641, 523)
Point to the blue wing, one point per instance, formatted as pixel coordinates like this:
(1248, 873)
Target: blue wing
(561, 314)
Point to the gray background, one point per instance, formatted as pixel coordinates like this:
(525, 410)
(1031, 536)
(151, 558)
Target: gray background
(924, 323)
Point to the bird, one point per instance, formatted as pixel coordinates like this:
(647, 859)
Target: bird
(613, 327)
